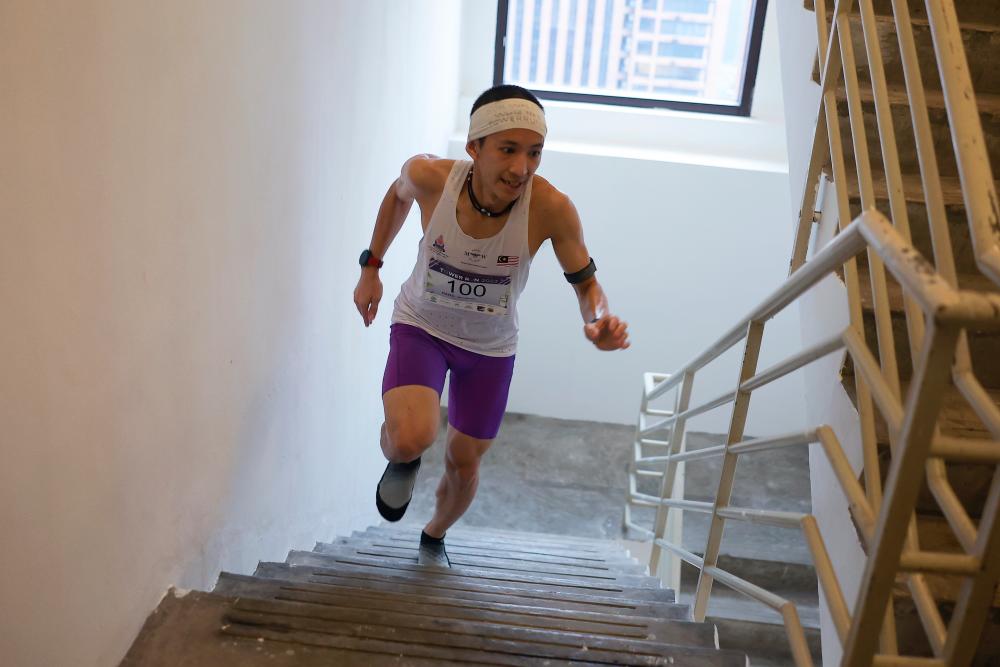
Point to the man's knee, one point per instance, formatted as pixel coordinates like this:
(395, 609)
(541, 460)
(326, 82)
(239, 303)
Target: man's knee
(465, 470)
(409, 440)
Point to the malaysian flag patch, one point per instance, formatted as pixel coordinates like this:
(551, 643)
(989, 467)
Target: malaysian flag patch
(507, 260)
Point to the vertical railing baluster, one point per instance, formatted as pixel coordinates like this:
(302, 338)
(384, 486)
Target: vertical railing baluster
(737, 422)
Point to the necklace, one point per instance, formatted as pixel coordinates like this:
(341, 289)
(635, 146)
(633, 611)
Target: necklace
(479, 207)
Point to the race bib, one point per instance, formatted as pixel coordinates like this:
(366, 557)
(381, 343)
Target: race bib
(455, 288)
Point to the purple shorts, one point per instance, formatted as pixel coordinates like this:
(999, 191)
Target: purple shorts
(477, 392)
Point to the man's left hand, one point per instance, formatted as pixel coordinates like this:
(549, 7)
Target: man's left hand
(607, 333)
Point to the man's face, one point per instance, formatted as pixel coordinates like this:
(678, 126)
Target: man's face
(505, 161)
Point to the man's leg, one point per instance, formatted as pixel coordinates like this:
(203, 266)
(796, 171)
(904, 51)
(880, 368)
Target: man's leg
(459, 482)
(411, 397)
(454, 493)
(412, 418)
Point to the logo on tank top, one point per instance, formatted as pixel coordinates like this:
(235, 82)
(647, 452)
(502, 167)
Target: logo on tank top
(507, 260)
(439, 244)
(476, 256)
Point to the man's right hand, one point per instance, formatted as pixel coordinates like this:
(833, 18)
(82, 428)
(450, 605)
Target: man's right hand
(367, 294)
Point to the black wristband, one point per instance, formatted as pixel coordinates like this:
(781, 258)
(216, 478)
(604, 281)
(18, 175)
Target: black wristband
(583, 274)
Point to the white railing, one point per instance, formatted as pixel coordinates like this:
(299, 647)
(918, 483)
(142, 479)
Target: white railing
(938, 314)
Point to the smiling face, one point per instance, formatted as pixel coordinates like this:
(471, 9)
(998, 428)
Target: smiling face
(504, 163)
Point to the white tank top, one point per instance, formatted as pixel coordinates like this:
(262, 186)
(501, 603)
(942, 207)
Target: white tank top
(465, 290)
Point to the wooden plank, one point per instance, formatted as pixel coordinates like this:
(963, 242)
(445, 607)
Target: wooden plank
(503, 546)
(292, 618)
(472, 589)
(185, 631)
(478, 558)
(649, 591)
(430, 606)
(505, 569)
(589, 548)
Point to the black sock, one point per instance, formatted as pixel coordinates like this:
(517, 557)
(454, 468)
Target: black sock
(427, 539)
(409, 465)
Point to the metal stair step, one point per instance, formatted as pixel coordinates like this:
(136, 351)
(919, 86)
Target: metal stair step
(519, 550)
(648, 591)
(602, 579)
(485, 558)
(499, 613)
(465, 588)
(312, 625)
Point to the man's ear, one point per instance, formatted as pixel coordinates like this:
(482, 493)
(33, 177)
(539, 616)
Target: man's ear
(472, 148)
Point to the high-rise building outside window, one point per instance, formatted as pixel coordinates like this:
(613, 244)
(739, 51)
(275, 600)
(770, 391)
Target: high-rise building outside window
(694, 55)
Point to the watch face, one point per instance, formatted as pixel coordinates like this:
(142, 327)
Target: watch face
(363, 260)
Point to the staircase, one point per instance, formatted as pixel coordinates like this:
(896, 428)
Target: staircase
(979, 23)
(509, 599)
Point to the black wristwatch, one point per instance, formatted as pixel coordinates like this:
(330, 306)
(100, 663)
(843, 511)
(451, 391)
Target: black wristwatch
(368, 259)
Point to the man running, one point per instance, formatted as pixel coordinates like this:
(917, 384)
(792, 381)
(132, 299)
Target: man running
(483, 222)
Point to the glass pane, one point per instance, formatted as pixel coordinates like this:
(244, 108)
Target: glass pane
(693, 49)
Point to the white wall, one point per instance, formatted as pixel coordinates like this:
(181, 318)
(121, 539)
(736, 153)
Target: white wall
(184, 190)
(824, 310)
(687, 217)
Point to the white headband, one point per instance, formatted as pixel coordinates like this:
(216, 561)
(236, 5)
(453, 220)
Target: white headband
(506, 114)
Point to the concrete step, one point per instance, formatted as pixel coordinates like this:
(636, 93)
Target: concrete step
(979, 40)
(904, 133)
(636, 588)
(970, 481)
(918, 220)
(455, 639)
(515, 549)
(969, 11)
(480, 557)
(574, 576)
(748, 626)
(984, 346)
(682, 632)
(471, 589)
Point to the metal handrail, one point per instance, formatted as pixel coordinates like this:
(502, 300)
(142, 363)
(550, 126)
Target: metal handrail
(936, 312)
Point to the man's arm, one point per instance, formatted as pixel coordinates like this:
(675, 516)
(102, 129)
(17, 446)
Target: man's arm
(605, 331)
(391, 214)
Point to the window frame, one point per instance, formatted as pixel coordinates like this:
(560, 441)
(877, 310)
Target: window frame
(751, 64)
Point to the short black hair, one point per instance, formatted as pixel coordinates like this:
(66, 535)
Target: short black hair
(504, 91)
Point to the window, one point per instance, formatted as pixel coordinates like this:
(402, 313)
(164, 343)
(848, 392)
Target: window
(687, 6)
(590, 51)
(685, 28)
(675, 50)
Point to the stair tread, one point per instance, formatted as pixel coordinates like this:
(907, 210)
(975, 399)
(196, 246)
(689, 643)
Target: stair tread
(466, 557)
(973, 282)
(539, 540)
(196, 617)
(913, 189)
(608, 580)
(988, 103)
(473, 589)
(646, 589)
(247, 616)
(525, 551)
(969, 13)
(673, 631)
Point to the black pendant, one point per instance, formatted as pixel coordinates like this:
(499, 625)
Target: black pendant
(479, 207)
